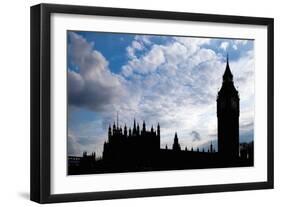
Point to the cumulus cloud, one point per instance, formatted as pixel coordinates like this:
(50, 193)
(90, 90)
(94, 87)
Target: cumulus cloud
(193, 43)
(94, 86)
(224, 45)
(233, 44)
(146, 64)
(135, 46)
(144, 39)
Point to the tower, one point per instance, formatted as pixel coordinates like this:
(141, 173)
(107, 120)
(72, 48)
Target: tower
(228, 117)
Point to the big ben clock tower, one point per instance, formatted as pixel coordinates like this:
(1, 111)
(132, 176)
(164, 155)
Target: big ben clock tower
(228, 117)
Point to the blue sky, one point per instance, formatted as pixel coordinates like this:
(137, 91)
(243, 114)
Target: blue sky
(166, 79)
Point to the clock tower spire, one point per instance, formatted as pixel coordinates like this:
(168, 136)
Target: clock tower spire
(227, 76)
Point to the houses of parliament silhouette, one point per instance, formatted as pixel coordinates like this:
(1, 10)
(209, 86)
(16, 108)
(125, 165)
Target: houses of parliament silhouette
(138, 149)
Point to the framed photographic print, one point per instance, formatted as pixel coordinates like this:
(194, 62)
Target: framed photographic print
(132, 103)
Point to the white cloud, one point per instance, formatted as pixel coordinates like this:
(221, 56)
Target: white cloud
(193, 42)
(237, 43)
(147, 63)
(241, 42)
(137, 44)
(145, 39)
(224, 45)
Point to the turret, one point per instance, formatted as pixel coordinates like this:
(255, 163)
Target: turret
(138, 129)
(176, 145)
(134, 128)
(94, 156)
(158, 130)
(114, 128)
(109, 131)
(130, 132)
(143, 126)
(227, 76)
(125, 131)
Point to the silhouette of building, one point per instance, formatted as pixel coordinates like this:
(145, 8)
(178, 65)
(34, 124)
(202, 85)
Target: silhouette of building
(137, 145)
(176, 145)
(228, 117)
(134, 149)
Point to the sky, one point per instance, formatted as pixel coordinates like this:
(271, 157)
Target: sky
(169, 80)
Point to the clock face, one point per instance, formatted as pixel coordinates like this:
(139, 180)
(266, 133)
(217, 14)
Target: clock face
(231, 104)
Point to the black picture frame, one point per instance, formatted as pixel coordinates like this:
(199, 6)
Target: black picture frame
(41, 98)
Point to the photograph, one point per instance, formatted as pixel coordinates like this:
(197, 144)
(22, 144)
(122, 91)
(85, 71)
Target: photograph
(131, 103)
(153, 102)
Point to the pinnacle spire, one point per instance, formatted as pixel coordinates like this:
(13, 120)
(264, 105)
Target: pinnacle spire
(114, 126)
(143, 126)
(227, 76)
(227, 58)
(117, 119)
(134, 123)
